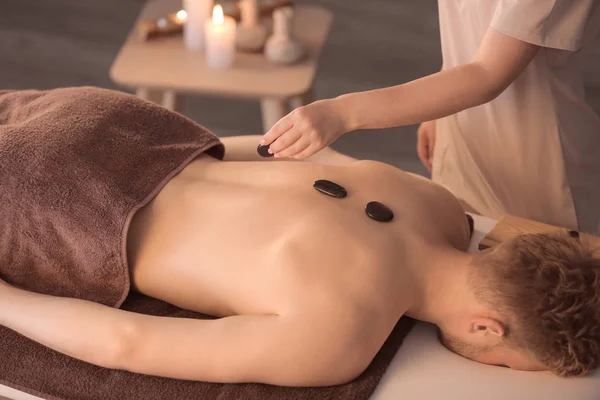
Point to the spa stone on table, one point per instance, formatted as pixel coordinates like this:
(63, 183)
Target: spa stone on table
(379, 212)
(330, 188)
(263, 151)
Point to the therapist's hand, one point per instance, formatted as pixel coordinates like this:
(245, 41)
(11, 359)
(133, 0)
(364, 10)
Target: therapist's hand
(306, 130)
(426, 143)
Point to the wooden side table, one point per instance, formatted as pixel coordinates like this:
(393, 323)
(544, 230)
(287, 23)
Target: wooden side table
(160, 70)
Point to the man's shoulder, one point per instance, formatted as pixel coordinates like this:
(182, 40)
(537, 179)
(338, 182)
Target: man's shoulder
(429, 202)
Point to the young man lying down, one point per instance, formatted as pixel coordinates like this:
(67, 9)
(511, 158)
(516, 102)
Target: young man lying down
(102, 192)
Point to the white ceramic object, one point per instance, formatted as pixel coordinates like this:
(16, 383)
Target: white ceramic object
(281, 47)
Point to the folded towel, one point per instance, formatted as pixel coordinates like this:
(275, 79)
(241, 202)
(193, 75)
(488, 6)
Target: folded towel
(75, 165)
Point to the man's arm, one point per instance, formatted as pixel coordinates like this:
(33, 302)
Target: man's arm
(294, 350)
(243, 148)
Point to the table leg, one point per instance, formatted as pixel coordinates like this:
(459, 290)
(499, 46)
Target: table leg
(273, 109)
(153, 95)
(302, 100)
(172, 100)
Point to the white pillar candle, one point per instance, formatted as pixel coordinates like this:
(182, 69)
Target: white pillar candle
(198, 11)
(220, 39)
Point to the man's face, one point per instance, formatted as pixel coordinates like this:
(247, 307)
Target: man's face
(501, 355)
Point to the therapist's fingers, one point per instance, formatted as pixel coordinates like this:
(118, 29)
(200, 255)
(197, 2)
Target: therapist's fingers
(292, 148)
(282, 126)
(284, 141)
(432, 136)
(309, 151)
(295, 150)
(431, 147)
(423, 148)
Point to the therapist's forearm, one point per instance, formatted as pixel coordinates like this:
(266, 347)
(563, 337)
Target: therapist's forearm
(429, 98)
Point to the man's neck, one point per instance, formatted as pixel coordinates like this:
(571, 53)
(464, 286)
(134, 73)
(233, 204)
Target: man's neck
(441, 286)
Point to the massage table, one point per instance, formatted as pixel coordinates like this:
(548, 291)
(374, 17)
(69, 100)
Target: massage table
(423, 368)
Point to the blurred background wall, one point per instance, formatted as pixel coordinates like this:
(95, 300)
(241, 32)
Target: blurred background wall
(374, 43)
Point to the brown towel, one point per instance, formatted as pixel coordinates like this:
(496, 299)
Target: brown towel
(75, 164)
(35, 369)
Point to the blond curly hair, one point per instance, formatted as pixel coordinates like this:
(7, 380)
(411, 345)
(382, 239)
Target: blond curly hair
(547, 286)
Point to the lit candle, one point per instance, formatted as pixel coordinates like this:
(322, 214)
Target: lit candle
(220, 39)
(181, 16)
(196, 13)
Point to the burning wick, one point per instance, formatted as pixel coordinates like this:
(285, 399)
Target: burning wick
(218, 15)
(181, 15)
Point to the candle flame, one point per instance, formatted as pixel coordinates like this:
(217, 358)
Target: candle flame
(218, 17)
(182, 15)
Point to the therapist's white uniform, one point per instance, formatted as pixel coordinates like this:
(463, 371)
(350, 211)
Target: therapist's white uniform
(534, 151)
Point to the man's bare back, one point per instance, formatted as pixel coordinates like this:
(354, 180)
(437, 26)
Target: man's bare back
(255, 239)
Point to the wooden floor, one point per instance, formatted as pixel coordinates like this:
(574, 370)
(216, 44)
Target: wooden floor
(374, 43)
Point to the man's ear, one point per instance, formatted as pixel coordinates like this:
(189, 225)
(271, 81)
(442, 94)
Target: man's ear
(487, 326)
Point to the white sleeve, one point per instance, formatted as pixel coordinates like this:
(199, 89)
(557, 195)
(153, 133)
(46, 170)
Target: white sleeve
(558, 24)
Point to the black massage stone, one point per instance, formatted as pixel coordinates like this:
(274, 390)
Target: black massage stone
(379, 212)
(264, 151)
(330, 188)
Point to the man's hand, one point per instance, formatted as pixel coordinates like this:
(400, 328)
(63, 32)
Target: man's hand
(426, 143)
(306, 130)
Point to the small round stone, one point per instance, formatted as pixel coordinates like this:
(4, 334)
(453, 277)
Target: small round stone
(330, 188)
(263, 151)
(379, 212)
